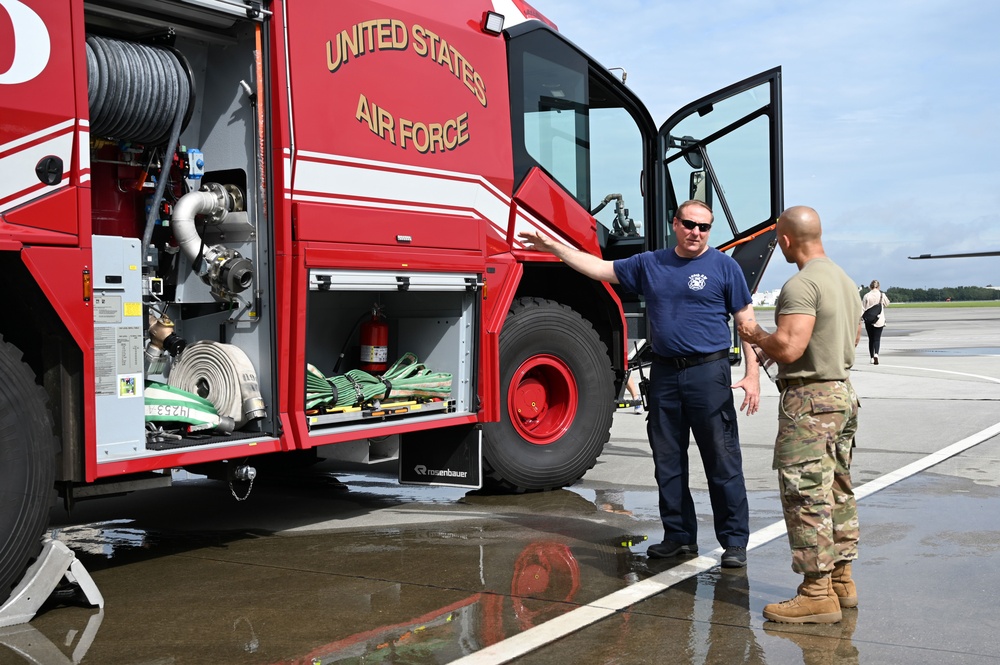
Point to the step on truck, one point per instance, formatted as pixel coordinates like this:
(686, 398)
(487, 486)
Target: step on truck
(245, 235)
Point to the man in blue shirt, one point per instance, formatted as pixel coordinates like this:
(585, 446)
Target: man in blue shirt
(691, 290)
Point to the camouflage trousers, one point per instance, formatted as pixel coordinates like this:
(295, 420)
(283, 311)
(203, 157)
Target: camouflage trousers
(812, 454)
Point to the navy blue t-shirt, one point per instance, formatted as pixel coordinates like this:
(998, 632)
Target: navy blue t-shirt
(688, 301)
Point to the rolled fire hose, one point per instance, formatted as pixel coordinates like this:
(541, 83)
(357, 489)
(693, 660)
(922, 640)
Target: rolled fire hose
(222, 374)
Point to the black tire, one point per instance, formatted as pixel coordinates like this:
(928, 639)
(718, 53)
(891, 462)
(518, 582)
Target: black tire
(550, 351)
(27, 467)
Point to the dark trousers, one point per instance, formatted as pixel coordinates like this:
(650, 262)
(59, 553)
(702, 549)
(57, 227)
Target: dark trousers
(874, 339)
(697, 400)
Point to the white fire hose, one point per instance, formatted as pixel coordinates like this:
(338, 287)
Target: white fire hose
(222, 374)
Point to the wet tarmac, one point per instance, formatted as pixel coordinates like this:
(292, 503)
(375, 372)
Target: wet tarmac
(354, 568)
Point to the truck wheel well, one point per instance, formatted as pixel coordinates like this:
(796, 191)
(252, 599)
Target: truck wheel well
(32, 325)
(587, 297)
(27, 473)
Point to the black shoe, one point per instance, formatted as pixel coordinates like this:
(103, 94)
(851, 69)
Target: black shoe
(734, 557)
(669, 548)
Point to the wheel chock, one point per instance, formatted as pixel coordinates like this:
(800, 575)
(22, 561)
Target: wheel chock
(43, 576)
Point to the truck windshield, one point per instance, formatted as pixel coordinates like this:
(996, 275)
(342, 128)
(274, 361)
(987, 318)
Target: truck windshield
(572, 124)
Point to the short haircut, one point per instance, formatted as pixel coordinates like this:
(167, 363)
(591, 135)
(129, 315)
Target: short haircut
(694, 202)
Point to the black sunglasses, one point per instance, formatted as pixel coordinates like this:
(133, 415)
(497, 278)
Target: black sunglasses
(691, 226)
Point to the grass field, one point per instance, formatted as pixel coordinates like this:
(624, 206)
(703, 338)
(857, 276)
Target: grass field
(968, 303)
(915, 305)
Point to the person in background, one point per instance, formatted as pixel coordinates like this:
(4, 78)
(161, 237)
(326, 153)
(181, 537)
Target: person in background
(691, 290)
(631, 384)
(874, 320)
(818, 330)
(632, 387)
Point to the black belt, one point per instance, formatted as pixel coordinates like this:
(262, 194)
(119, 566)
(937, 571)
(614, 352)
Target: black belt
(786, 383)
(681, 362)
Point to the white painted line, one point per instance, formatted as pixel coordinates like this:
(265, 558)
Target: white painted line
(942, 371)
(585, 615)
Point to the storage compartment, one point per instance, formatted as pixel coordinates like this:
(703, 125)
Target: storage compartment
(189, 315)
(430, 319)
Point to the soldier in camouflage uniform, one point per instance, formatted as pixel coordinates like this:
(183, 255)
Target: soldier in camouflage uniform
(814, 344)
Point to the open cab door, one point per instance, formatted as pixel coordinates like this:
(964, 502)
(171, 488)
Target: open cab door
(725, 150)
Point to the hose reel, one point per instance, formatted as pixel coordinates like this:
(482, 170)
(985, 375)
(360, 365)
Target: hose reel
(143, 94)
(137, 92)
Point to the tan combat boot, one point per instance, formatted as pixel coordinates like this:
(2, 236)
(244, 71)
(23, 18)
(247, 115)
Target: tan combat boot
(816, 602)
(843, 585)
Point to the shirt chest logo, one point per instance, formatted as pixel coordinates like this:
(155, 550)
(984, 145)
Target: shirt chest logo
(697, 282)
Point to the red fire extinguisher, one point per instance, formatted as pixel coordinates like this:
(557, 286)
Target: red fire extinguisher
(375, 343)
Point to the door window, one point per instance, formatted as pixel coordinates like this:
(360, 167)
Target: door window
(582, 127)
(725, 150)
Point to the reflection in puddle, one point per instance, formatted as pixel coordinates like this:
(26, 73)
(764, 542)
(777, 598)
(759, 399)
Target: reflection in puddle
(428, 595)
(822, 643)
(101, 538)
(544, 581)
(34, 647)
(391, 488)
(113, 539)
(437, 637)
(402, 593)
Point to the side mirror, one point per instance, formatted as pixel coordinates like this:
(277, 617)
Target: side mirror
(693, 158)
(700, 188)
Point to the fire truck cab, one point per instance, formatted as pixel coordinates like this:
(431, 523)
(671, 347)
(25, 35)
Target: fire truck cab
(241, 233)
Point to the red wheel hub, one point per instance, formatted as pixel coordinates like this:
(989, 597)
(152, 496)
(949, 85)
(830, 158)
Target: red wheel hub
(542, 399)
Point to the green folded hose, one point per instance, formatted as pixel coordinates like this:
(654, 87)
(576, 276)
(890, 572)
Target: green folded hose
(406, 378)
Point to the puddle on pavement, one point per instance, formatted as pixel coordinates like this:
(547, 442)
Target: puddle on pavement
(961, 351)
(431, 593)
(409, 594)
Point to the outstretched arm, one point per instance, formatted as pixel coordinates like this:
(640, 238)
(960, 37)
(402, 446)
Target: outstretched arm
(587, 264)
(751, 378)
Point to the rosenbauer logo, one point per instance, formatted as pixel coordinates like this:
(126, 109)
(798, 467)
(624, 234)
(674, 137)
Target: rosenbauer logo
(424, 471)
(394, 35)
(32, 47)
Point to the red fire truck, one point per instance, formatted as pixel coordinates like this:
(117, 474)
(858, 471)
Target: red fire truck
(243, 234)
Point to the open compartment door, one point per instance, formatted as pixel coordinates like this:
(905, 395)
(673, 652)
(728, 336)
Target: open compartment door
(725, 150)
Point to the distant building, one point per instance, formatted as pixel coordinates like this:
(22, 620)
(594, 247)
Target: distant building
(766, 298)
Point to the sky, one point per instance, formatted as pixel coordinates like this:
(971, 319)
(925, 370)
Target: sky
(891, 114)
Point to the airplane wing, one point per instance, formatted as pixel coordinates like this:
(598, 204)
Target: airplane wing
(955, 256)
